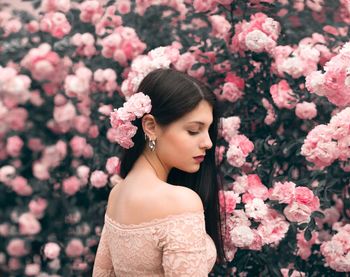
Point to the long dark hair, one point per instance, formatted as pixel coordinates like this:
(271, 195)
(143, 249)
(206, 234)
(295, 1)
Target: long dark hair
(173, 94)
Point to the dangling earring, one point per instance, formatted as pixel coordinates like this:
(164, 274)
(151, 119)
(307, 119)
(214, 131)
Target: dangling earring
(151, 143)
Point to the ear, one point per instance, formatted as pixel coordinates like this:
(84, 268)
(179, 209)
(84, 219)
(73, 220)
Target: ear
(149, 126)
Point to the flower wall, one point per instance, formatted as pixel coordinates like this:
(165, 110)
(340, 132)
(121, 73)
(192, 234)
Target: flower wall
(280, 70)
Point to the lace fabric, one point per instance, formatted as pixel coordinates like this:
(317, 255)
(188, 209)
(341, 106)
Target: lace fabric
(176, 245)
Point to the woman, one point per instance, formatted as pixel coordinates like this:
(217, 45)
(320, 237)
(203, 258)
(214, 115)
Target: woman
(163, 218)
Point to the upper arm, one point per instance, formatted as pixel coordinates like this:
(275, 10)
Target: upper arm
(184, 245)
(103, 264)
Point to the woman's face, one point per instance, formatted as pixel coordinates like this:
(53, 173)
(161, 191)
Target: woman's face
(186, 138)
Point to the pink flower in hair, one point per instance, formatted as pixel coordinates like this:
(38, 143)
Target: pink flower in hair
(137, 105)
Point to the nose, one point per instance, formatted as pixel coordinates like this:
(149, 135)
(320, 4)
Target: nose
(206, 142)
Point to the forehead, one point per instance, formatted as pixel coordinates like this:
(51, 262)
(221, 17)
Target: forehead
(202, 113)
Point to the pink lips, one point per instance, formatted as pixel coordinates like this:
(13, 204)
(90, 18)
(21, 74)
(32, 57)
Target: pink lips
(199, 159)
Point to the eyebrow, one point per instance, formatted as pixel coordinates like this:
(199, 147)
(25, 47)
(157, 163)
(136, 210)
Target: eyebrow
(199, 122)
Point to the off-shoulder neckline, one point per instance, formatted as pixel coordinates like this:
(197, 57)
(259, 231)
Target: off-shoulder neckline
(153, 222)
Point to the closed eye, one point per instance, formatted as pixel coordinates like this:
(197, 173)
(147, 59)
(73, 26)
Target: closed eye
(193, 133)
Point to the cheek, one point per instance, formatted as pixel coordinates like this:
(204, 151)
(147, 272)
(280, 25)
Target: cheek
(177, 144)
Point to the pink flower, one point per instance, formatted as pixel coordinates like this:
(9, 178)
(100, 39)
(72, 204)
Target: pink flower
(220, 26)
(113, 165)
(78, 145)
(230, 92)
(336, 251)
(283, 95)
(56, 24)
(273, 227)
(235, 156)
(335, 82)
(55, 5)
(258, 35)
(304, 246)
(21, 187)
(228, 200)
(282, 192)
(122, 45)
(75, 248)
(229, 127)
(256, 188)
(98, 179)
(14, 146)
(71, 185)
(7, 173)
(123, 6)
(319, 148)
(305, 196)
(83, 174)
(242, 236)
(296, 212)
(40, 171)
(256, 209)
(17, 248)
(28, 224)
(240, 185)
(203, 6)
(51, 250)
(37, 207)
(306, 110)
(138, 104)
(123, 135)
(243, 143)
(32, 269)
(90, 11)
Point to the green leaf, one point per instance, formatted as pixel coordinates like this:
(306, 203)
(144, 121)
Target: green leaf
(318, 214)
(196, 66)
(307, 234)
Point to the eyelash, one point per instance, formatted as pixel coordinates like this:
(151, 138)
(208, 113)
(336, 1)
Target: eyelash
(192, 133)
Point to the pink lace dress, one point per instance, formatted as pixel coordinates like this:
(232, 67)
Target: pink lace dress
(176, 245)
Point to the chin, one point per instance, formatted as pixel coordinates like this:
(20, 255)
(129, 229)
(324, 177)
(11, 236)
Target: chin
(192, 170)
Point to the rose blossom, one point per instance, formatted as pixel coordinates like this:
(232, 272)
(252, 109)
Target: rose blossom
(306, 110)
(296, 212)
(28, 224)
(243, 236)
(56, 24)
(51, 250)
(7, 172)
(32, 269)
(235, 156)
(16, 248)
(228, 200)
(55, 5)
(305, 196)
(113, 165)
(75, 248)
(256, 188)
(229, 127)
(273, 227)
(256, 209)
(336, 251)
(14, 146)
(282, 192)
(283, 95)
(98, 179)
(123, 134)
(71, 185)
(37, 207)
(20, 185)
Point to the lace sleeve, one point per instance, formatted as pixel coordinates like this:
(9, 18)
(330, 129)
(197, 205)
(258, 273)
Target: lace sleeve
(184, 247)
(103, 266)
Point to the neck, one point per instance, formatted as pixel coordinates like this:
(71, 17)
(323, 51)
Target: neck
(153, 161)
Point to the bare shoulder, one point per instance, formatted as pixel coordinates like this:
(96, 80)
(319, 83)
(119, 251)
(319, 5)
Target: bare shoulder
(182, 199)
